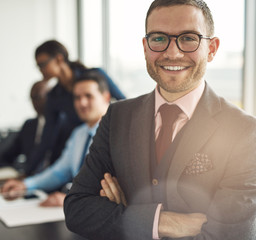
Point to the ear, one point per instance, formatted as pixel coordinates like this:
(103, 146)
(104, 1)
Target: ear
(144, 42)
(213, 48)
(107, 96)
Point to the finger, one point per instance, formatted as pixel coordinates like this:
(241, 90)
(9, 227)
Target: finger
(49, 202)
(123, 199)
(107, 190)
(44, 203)
(13, 185)
(113, 187)
(59, 198)
(7, 186)
(12, 190)
(102, 193)
(11, 195)
(117, 184)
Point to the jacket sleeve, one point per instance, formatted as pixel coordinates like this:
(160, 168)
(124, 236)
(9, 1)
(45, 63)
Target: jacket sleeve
(232, 212)
(96, 217)
(15, 147)
(57, 174)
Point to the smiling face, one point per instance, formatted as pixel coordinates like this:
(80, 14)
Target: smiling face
(89, 102)
(176, 72)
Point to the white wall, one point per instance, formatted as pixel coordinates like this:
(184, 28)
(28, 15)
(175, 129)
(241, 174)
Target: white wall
(24, 25)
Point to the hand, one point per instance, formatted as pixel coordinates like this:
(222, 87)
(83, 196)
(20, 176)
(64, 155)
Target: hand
(55, 199)
(112, 190)
(13, 189)
(177, 225)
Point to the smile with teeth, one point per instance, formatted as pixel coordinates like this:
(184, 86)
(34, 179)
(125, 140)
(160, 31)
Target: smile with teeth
(174, 68)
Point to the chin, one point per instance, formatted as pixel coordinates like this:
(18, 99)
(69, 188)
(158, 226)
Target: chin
(171, 88)
(177, 86)
(85, 119)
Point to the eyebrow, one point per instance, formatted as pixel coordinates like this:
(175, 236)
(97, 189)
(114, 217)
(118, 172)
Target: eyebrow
(185, 31)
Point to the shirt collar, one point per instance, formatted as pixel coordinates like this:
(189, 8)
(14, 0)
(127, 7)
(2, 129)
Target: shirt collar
(92, 130)
(186, 103)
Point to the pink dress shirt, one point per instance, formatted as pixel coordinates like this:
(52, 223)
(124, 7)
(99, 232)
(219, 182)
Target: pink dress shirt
(188, 105)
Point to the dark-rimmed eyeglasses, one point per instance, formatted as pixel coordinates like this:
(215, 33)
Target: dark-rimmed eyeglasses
(186, 42)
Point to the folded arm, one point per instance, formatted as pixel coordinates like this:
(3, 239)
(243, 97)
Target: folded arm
(171, 224)
(93, 216)
(230, 215)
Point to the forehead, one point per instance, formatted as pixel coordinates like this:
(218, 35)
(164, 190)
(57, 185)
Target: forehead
(42, 56)
(85, 87)
(176, 19)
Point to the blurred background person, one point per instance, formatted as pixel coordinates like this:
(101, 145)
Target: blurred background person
(61, 118)
(28, 138)
(91, 100)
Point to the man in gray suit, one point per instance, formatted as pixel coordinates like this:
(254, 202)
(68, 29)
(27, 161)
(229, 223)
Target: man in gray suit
(202, 185)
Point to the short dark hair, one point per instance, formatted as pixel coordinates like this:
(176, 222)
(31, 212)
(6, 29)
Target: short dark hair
(93, 75)
(52, 48)
(196, 3)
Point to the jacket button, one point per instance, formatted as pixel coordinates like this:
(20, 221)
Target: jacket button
(155, 182)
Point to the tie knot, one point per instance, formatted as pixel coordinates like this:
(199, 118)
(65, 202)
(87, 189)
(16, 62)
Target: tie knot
(169, 113)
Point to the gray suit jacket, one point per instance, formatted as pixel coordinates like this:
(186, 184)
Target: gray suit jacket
(213, 171)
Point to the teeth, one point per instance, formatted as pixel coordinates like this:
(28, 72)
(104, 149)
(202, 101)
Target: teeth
(174, 68)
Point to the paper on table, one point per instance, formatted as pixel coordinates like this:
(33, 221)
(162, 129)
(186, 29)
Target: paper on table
(27, 211)
(31, 215)
(8, 172)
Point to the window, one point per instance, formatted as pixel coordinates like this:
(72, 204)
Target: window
(225, 72)
(125, 58)
(91, 33)
(127, 28)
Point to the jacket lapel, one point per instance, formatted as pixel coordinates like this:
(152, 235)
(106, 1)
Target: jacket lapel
(140, 137)
(198, 130)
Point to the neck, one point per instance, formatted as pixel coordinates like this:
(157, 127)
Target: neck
(92, 123)
(66, 77)
(173, 96)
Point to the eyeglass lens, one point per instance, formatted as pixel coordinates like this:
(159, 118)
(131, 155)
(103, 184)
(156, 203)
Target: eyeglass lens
(187, 42)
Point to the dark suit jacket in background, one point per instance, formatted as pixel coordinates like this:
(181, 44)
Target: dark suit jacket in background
(220, 139)
(23, 143)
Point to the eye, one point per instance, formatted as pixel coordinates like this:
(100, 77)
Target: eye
(188, 38)
(88, 96)
(158, 38)
(76, 98)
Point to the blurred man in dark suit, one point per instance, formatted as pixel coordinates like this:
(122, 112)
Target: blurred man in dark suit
(29, 136)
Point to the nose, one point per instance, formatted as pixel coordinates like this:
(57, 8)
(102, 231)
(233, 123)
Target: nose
(83, 101)
(173, 52)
